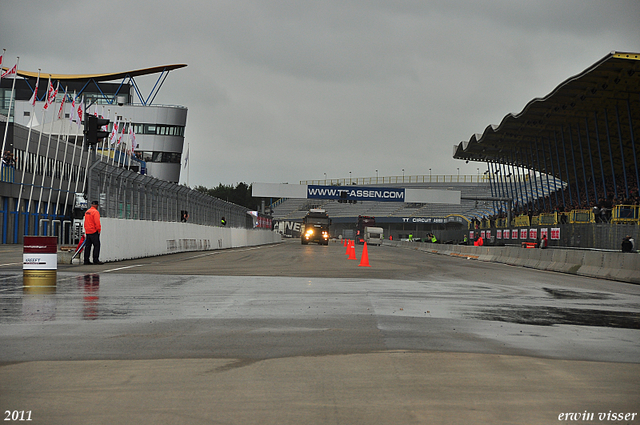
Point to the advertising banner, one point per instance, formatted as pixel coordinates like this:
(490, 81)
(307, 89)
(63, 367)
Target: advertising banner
(533, 233)
(355, 193)
(523, 233)
(555, 234)
(499, 234)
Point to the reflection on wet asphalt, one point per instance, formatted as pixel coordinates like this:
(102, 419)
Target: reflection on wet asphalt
(112, 315)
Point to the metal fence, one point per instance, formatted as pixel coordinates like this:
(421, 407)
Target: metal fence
(125, 194)
(121, 193)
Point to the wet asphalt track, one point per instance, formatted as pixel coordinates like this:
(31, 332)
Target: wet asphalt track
(289, 300)
(300, 334)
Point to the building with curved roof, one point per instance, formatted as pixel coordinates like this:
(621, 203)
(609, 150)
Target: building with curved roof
(159, 129)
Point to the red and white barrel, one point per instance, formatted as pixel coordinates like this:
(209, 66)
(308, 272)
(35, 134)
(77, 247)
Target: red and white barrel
(40, 261)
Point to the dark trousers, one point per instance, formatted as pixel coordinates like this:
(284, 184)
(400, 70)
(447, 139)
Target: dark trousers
(92, 239)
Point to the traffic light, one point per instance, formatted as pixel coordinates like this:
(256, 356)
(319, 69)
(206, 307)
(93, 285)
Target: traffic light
(93, 131)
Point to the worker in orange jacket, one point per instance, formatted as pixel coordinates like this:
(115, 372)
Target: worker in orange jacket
(92, 229)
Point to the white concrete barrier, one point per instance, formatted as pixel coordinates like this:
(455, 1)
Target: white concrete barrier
(601, 264)
(126, 239)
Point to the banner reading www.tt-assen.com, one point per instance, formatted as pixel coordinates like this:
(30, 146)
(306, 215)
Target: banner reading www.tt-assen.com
(355, 193)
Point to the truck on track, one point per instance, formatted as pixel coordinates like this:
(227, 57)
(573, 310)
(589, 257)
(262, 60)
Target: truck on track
(363, 221)
(315, 227)
(373, 235)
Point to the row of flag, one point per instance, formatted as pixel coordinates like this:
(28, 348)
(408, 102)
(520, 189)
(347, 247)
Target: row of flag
(77, 111)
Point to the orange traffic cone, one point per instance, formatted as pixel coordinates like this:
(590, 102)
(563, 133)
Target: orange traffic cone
(352, 251)
(348, 245)
(364, 262)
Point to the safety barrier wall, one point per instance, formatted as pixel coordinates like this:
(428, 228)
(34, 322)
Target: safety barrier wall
(126, 239)
(599, 264)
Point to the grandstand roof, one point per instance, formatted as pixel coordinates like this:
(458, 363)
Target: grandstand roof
(593, 114)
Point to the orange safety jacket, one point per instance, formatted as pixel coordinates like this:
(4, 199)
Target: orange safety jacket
(92, 221)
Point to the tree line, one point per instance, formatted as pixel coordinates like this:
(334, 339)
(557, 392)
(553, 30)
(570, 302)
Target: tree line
(239, 194)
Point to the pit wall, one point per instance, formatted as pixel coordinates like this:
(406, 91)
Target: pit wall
(126, 239)
(611, 265)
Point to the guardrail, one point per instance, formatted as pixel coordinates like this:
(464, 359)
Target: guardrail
(619, 266)
(628, 214)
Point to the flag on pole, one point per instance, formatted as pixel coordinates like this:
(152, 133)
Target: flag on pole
(34, 97)
(1, 59)
(114, 132)
(132, 137)
(186, 157)
(72, 115)
(121, 133)
(80, 112)
(77, 111)
(64, 100)
(51, 94)
(10, 72)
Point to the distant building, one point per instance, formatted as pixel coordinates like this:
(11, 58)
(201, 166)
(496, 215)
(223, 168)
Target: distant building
(159, 129)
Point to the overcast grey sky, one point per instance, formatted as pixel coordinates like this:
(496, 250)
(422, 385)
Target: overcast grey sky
(283, 91)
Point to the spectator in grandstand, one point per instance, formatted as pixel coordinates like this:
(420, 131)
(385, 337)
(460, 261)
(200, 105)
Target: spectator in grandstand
(7, 159)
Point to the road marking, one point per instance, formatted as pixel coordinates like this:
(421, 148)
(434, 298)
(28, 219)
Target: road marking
(121, 268)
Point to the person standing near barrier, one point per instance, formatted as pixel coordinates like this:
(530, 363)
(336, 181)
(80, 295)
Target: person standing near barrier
(627, 244)
(543, 242)
(92, 229)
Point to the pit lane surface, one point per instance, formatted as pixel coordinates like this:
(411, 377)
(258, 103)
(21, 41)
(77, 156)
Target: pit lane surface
(290, 334)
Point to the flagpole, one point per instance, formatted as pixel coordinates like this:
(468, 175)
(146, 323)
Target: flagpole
(35, 169)
(66, 148)
(113, 140)
(75, 191)
(120, 160)
(46, 154)
(127, 157)
(26, 153)
(73, 153)
(55, 160)
(6, 127)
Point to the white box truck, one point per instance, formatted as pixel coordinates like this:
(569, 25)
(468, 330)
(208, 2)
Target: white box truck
(373, 235)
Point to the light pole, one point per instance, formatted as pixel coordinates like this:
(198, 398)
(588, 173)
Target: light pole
(429, 175)
(458, 174)
(403, 175)
(349, 177)
(376, 176)
(325, 179)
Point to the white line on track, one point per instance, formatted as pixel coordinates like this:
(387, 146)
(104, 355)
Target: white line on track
(122, 268)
